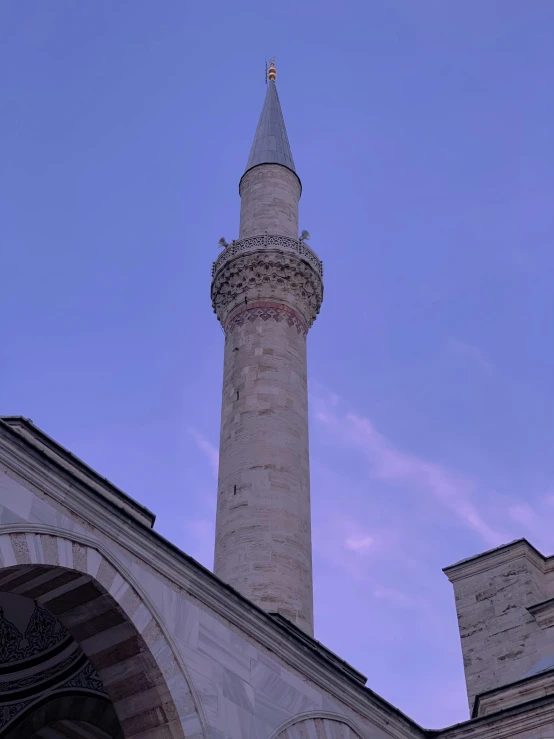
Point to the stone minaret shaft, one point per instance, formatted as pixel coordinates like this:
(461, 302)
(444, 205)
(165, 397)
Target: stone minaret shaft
(266, 291)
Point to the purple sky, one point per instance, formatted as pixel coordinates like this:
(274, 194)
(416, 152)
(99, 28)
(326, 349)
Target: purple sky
(422, 132)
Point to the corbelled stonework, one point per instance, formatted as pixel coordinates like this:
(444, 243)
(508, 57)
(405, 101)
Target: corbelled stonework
(268, 273)
(268, 241)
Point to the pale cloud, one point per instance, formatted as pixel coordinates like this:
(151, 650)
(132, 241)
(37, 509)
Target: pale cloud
(548, 498)
(360, 544)
(524, 515)
(398, 598)
(469, 353)
(534, 522)
(207, 448)
(342, 543)
(200, 543)
(393, 466)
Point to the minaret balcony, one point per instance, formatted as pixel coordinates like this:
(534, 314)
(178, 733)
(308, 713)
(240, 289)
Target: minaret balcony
(268, 241)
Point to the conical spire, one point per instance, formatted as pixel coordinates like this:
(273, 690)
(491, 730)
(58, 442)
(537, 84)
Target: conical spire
(271, 143)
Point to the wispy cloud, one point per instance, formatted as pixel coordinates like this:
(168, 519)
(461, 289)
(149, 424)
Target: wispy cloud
(361, 543)
(399, 598)
(393, 466)
(200, 540)
(207, 448)
(524, 515)
(470, 354)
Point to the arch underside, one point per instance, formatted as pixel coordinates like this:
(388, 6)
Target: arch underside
(69, 715)
(129, 679)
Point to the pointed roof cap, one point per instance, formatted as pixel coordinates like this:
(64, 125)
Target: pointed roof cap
(271, 143)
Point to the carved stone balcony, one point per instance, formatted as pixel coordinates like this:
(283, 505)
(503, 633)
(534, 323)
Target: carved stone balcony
(278, 269)
(267, 241)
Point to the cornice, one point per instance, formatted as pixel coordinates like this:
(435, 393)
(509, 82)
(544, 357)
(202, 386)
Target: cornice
(299, 652)
(306, 656)
(520, 692)
(543, 613)
(502, 725)
(497, 557)
(76, 467)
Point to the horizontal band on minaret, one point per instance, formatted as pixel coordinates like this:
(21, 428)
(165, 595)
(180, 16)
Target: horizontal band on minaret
(266, 310)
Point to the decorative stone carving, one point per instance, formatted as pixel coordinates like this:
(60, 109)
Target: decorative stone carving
(42, 633)
(8, 713)
(42, 660)
(42, 675)
(266, 311)
(10, 639)
(267, 274)
(86, 679)
(268, 241)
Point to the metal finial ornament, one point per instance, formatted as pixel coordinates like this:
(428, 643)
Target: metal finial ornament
(272, 72)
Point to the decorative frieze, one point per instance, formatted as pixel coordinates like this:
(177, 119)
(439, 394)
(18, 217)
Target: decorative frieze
(268, 241)
(42, 633)
(271, 275)
(266, 311)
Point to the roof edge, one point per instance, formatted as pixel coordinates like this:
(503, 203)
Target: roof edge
(485, 559)
(25, 429)
(526, 680)
(300, 651)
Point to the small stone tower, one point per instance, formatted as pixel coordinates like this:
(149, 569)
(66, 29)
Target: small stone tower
(266, 291)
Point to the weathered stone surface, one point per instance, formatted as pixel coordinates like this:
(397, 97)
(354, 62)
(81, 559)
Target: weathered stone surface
(501, 639)
(266, 299)
(263, 542)
(269, 201)
(271, 275)
(226, 679)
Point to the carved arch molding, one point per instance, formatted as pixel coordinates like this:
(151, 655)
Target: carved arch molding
(113, 626)
(318, 726)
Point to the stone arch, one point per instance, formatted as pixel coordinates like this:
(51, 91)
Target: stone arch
(92, 715)
(320, 725)
(100, 605)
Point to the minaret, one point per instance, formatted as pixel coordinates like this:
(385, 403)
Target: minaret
(266, 291)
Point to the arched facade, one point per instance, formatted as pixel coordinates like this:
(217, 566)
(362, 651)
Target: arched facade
(319, 725)
(116, 631)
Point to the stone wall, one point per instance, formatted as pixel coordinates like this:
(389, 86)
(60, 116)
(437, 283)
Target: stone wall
(263, 540)
(266, 298)
(269, 201)
(501, 640)
(233, 672)
(241, 686)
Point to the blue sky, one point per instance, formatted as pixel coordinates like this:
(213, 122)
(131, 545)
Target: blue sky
(422, 132)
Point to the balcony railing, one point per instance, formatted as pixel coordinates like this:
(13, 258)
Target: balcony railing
(254, 243)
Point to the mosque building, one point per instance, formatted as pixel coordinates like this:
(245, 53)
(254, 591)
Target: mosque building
(108, 631)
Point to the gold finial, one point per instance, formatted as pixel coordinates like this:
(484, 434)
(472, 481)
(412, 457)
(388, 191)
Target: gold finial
(272, 72)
